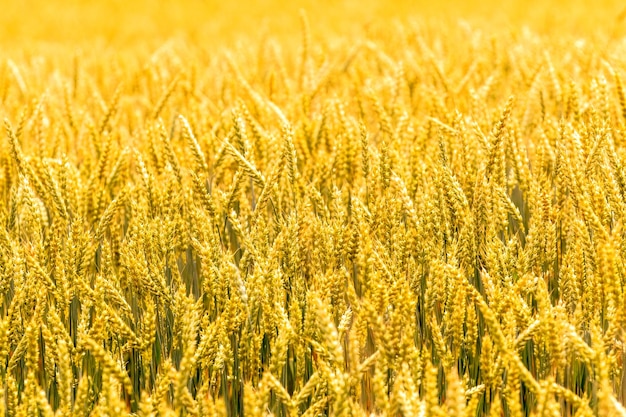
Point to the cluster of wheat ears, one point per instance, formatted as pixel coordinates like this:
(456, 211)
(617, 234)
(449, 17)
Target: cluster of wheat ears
(410, 222)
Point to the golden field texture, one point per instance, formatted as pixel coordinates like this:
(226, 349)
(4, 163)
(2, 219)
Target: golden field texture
(356, 209)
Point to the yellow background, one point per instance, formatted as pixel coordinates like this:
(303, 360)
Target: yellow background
(123, 22)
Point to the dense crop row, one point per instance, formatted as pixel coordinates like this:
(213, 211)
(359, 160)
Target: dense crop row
(423, 220)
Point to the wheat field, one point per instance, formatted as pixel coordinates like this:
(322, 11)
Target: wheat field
(311, 208)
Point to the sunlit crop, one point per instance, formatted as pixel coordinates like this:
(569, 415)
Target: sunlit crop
(310, 209)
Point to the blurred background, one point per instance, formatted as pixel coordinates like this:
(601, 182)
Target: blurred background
(125, 22)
